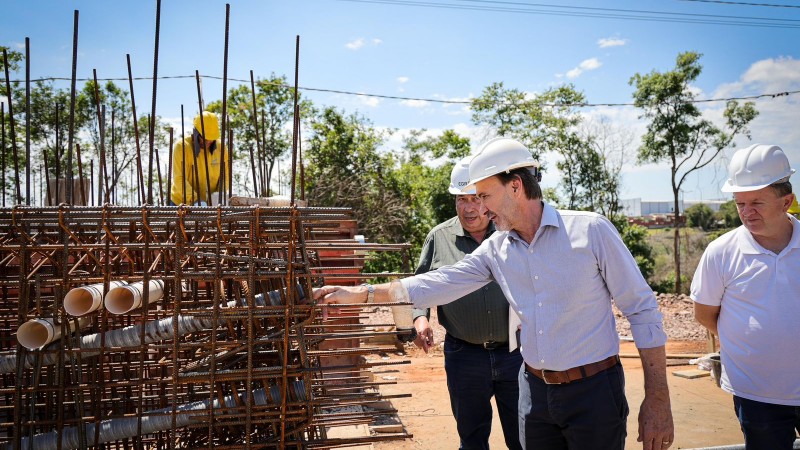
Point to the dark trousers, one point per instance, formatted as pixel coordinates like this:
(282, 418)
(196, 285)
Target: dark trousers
(767, 426)
(586, 414)
(474, 375)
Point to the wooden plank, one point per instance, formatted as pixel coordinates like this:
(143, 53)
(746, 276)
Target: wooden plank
(691, 373)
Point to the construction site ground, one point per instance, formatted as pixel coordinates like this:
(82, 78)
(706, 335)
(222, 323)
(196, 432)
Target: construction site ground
(703, 413)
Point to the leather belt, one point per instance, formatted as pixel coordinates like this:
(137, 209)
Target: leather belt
(575, 373)
(488, 345)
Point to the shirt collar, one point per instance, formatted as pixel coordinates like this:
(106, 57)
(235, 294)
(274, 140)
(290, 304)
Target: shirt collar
(549, 219)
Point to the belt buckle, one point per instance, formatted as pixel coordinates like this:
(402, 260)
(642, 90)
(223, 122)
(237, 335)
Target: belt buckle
(546, 381)
(490, 345)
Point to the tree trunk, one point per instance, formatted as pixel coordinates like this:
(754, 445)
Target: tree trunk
(677, 244)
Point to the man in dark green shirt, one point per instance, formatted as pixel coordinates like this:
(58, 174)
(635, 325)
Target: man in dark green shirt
(477, 358)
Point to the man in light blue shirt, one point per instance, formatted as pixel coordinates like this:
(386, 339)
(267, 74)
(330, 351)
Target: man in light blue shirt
(560, 271)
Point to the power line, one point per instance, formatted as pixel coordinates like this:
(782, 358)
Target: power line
(742, 3)
(402, 98)
(594, 12)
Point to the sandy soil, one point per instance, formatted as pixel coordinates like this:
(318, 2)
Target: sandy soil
(702, 412)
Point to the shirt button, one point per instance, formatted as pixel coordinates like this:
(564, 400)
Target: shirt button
(541, 361)
(540, 331)
(540, 303)
(536, 277)
(489, 312)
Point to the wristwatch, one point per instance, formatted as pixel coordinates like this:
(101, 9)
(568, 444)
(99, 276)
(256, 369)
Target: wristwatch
(370, 292)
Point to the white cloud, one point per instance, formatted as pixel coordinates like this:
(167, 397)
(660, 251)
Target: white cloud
(356, 44)
(585, 65)
(402, 80)
(768, 76)
(360, 42)
(611, 42)
(414, 103)
(19, 45)
(370, 101)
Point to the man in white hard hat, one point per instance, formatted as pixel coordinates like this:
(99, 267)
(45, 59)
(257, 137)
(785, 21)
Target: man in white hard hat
(747, 291)
(559, 270)
(198, 166)
(481, 358)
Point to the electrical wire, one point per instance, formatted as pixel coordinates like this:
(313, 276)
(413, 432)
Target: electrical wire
(770, 5)
(401, 98)
(594, 12)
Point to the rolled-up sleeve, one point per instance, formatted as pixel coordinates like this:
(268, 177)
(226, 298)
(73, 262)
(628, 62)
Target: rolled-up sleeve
(627, 286)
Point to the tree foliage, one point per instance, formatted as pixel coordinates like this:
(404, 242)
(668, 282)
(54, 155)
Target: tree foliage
(676, 131)
(701, 216)
(549, 124)
(273, 118)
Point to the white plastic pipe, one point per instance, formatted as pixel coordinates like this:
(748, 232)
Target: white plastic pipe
(402, 313)
(124, 299)
(36, 333)
(85, 299)
(126, 427)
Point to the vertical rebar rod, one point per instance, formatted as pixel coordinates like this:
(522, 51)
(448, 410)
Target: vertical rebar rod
(114, 174)
(104, 193)
(257, 135)
(101, 130)
(300, 155)
(3, 150)
(169, 168)
(294, 129)
(80, 174)
(72, 93)
(27, 121)
(139, 168)
(183, 157)
(153, 117)
(12, 126)
(160, 186)
(58, 159)
(202, 131)
(91, 181)
(223, 179)
(263, 172)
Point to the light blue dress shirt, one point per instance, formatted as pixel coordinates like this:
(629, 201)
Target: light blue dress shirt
(561, 285)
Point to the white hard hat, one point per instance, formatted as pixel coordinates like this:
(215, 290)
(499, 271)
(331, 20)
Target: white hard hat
(756, 167)
(499, 155)
(459, 178)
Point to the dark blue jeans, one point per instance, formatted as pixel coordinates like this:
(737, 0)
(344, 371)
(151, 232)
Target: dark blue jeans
(586, 414)
(474, 375)
(767, 426)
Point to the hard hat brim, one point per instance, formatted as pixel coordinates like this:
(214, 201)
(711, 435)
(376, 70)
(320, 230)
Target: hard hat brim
(730, 188)
(465, 191)
(472, 183)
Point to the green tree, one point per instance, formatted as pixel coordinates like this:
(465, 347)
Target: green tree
(700, 215)
(549, 123)
(274, 108)
(676, 131)
(635, 238)
(424, 184)
(728, 214)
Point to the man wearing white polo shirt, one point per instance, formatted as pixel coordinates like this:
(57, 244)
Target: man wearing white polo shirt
(747, 291)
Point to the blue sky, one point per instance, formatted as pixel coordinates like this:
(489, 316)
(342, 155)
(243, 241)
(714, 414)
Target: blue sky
(449, 52)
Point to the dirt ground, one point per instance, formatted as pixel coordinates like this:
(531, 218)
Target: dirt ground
(703, 413)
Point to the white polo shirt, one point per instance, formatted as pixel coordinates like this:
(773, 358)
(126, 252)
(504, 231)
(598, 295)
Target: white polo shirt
(759, 322)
